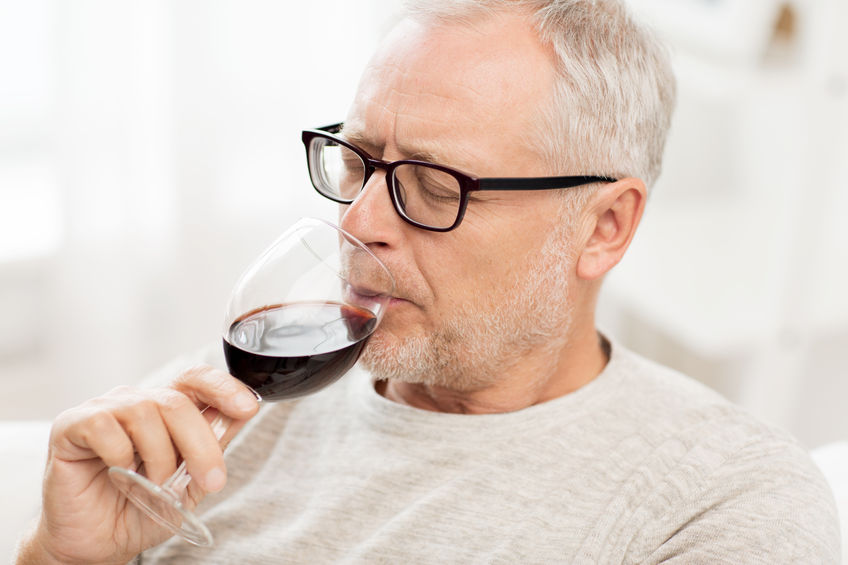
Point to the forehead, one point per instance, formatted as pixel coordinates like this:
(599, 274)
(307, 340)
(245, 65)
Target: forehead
(460, 93)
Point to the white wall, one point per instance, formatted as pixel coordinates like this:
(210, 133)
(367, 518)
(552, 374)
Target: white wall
(738, 274)
(148, 150)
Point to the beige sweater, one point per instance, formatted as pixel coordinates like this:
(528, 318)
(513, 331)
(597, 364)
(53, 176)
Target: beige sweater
(642, 465)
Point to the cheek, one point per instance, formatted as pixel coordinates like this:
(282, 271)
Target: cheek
(483, 260)
(473, 277)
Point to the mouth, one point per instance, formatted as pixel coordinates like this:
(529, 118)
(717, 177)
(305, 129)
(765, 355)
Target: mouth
(371, 287)
(368, 297)
(371, 293)
(373, 299)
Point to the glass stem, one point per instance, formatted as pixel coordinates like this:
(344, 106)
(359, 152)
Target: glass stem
(179, 480)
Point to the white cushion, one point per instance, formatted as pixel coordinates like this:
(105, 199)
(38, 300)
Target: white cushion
(833, 461)
(23, 453)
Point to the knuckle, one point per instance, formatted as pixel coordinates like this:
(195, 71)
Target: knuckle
(100, 422)
(92, 428)
(203, 376)
(144, 408)
(100, 431)
(193, 374)
(139, 414)
(206, 384)
(62, 425)
(173, 401)
(121, 391)
(88, 414)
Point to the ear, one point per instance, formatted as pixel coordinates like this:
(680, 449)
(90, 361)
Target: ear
(614, 215)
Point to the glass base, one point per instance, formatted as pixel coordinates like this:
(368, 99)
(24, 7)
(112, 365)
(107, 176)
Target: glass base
(162, 505)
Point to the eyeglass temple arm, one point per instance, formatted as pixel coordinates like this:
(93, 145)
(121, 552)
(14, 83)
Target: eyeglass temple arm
(541, 183)
(334, 128)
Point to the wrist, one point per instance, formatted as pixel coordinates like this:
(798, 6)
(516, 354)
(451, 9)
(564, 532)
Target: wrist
(30, 551)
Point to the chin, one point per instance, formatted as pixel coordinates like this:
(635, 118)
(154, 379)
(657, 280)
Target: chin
(423, 361)
(387, 357)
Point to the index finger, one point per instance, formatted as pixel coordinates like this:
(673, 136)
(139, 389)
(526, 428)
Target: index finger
(208, 386)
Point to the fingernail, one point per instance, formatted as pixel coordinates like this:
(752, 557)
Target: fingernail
(215, 480)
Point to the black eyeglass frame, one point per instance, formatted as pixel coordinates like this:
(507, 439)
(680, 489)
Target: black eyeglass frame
(467, 183)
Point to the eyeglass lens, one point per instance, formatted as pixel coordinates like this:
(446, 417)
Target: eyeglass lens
(425, 194)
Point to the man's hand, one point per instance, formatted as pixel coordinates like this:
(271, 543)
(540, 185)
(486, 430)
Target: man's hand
(84, 518)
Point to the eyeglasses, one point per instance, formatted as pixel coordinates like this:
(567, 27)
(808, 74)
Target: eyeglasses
(426, 195)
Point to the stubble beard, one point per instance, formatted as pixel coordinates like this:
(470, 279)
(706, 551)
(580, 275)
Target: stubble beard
(482, 340)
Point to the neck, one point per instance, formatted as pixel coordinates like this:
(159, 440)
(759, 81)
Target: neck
(533, 379)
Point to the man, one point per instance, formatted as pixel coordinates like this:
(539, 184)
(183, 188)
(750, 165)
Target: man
(497, 425)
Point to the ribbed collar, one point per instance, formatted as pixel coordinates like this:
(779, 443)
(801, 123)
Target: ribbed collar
(393, 418)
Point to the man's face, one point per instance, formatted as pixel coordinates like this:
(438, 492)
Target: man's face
(473, 301)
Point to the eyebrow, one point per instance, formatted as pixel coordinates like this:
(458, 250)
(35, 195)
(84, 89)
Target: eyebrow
(356, 137)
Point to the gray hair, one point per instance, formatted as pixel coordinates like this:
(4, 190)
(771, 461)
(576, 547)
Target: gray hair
(614, 97)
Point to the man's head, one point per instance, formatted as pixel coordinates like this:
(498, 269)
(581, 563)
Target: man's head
(614, 91)
(506, 89)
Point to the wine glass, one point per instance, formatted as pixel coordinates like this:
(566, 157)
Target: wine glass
(296, 321)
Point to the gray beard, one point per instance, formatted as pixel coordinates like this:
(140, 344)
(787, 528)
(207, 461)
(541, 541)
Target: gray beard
(482, 340)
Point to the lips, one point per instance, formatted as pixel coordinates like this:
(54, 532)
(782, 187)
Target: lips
(362, 291)
(367, 282)
(372, 299)
(366, 297)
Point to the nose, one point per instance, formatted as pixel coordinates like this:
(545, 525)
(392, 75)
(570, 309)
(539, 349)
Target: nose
(371, 218)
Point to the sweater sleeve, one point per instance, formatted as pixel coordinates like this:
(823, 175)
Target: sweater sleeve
(767, 503)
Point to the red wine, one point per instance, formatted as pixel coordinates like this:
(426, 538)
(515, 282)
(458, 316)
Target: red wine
(290, 350)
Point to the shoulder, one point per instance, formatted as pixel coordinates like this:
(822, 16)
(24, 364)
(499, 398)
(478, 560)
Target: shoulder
(732, 446)
(668, 404)
(733, 488)
(763, 501)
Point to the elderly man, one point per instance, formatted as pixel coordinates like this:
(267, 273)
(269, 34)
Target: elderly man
(496, 157)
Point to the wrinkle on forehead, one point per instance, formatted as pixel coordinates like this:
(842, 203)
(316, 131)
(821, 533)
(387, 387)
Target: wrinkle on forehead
(408, 146)
(461, 94)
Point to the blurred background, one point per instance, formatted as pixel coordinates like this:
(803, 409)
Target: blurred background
(149, 150)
